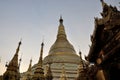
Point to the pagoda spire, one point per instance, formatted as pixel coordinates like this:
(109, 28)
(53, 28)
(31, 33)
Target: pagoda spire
(39, 71)
(48, 75)
(103, 3)
(12, 72)
(30, 65)
(82, 61)
(61, 20)
(14, 60)
(61, 31)
(81, 73)
(29, 71)
(41, 54)
(63, 76)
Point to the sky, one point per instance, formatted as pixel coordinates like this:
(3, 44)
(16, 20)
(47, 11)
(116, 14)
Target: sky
(35, 20)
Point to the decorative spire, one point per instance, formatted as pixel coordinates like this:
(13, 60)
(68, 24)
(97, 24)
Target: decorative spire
(48, 75)
(41, 54)
(61, 30)
(30, 65)
(61, 20)
(39, 71)
(81, 60)
(12, 67)
(63, 76)
(81, 73)
(80, 55)
(14, 61)
(17, 50)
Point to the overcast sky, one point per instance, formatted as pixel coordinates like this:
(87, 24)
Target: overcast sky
(32, 20)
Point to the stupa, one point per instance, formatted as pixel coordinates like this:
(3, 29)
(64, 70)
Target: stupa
(62, 52)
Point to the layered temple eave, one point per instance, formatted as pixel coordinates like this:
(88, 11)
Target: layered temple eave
(110, 21)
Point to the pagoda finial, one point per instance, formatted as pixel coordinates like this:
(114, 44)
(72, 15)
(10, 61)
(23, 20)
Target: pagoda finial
(61, 30)
(17, 50)
(80, 54)
(82, 61)
(103, 3)
(61, 20)
(41, 54)
(101, 0)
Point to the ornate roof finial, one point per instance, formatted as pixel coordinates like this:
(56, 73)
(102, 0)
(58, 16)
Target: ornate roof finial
(61, 30)
(82, 61)
(80, 54)
(103, 3)
(41, 54)
(101, 0)
(61, 20)
(17, 50)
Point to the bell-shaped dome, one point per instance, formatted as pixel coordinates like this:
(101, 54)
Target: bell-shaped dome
(62, 51)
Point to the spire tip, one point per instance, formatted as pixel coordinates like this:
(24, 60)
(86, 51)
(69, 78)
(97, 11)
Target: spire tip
(60, 16)
(42, 44)
(20, 41)
(31, 60)
(101, 0)
(61, 20)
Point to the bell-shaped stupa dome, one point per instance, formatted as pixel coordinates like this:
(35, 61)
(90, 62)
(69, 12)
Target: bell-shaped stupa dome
(62, 51)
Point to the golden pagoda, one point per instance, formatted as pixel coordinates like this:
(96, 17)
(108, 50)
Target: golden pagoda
(62, 52)
(39, 71)
(12, 72)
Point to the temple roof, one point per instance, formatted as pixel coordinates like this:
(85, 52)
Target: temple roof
(105, 32)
